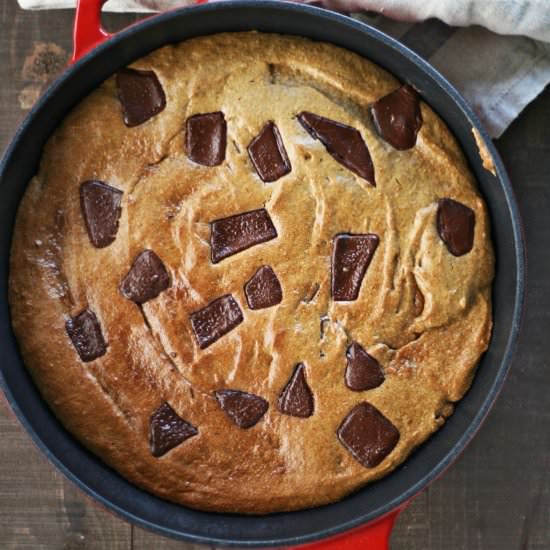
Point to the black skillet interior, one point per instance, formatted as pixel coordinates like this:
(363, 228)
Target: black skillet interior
(20, 163)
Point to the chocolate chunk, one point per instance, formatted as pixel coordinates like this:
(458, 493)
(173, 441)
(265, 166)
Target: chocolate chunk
(363, 371)
(263, 289)
(140, 94)
(244, 409)
(146, 279)
(100, 204)
(368, 435)
(239, 232)
(296, 398)
(351, 256)
(206, 137)
(168, 430)
(397, 117)
(85, 333)
(455, 225)
(343, 142)
(215, 320)
(268, 154)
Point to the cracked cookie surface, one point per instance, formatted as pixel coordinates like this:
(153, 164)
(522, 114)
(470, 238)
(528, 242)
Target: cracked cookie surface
(132, 340)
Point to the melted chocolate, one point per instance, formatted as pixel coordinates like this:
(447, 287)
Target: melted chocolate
(85, 333)
(215, 320)
(363, 371)
(351, 256)
(268, 154)
(397, 117)
(455, 225)
(263, 289)
(239, 232)
(146, 279)
(244, 409)
(140, 94)
(168, 430)
(296, 399)
(343, 142)
(100, 204)
(368, 435)
(206, 137)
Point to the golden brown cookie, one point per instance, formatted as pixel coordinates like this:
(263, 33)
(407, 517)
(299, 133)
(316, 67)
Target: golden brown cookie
(252, 273)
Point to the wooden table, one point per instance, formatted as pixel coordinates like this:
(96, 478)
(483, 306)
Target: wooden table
(496, 496)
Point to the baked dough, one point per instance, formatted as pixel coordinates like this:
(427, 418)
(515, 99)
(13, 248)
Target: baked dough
(161, 339)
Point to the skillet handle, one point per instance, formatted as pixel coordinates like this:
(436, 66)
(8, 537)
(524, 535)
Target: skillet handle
(374, 536)
(87, 30)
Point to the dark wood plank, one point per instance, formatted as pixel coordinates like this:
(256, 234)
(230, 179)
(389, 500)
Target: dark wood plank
(497, 495)
(145, 540)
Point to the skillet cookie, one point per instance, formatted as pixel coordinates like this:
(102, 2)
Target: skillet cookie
(252, 273)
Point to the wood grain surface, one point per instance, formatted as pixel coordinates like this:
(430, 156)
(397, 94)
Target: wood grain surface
(496, 496)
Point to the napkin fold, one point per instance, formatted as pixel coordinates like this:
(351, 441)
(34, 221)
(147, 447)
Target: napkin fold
(495, 52)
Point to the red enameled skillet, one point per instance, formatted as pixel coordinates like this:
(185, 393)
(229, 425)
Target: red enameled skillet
(364, 519)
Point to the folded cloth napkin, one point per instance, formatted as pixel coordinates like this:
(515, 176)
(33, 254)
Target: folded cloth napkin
(496, 52)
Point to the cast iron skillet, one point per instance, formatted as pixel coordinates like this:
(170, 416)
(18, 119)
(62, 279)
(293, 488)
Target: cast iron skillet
(378, 500)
